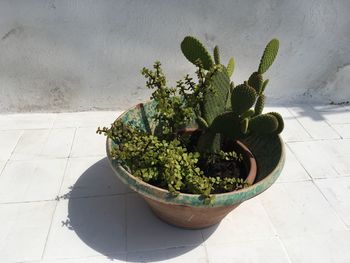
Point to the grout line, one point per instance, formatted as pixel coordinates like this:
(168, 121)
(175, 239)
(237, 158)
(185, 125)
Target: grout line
(205, 247)
(297, 159)
(331, 126)
(59, 199)
(54, 211)
(330, 205)
(276, 234)
(12, 151)
(284, 249)
(126, 224)
(296, 117)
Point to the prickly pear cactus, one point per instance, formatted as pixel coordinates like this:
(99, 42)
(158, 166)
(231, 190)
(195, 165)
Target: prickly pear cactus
(242, 98)
(256, 81)
(215, 95)
(259, 105)
(280, 121)
(227, 124)
(263, 124)
(266, 81)
(194, 50)
(230, 67)
(216, 55)
(268, 56)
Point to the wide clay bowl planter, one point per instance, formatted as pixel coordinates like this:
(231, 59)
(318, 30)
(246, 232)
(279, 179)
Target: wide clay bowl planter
(189, 210)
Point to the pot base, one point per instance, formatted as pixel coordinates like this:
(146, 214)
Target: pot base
(189, 217)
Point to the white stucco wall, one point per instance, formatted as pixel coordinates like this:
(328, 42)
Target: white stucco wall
(83, 55)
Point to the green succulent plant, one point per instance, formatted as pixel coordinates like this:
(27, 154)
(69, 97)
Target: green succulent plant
(221, 110)
(235, 118)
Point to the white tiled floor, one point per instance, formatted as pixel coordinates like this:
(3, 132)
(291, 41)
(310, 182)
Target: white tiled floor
(60, 201)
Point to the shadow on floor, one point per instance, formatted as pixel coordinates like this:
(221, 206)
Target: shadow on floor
(111, 222)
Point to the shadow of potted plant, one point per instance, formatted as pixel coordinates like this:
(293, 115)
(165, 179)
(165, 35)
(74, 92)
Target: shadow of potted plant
(199, 149)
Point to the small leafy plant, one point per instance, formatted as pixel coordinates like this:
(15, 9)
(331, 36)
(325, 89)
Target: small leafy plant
(192, 148)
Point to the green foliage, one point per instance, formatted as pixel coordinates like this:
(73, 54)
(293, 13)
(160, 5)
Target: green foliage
(248, 113)
(264, 85)
(230, 67)
(263, 124)
(256, 81)
(195, 50)
(216, 55)
(242, 98)
(215, 93)
(259, 105)
(166, 164)
(195, 163)
(227, 124)
(268, 56)
(280, 121)
(244, 125)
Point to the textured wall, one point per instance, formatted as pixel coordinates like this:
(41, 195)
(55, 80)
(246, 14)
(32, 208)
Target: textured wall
(82, 55)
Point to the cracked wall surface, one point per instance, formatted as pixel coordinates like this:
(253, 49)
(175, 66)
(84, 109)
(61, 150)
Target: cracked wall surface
(87, 55)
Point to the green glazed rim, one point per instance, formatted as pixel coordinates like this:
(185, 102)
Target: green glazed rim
(268, 151)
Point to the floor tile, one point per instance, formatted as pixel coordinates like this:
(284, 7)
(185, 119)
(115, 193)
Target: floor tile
(332, 247)
(314, 123)
(170, 255)
(316, 158)
(293, 130)
(146, 232)
(256, 251)
(114, 258)
(23, 230)
(249, 221)
(90, 176)
(295, 207)
(86, 227)
(26, 121)
(337, 192)
(8, 141)
(329, 108)
(58, 144)
(86, 119)
(343, 130)
(31, 180)
(292, 171)
(30, 144)
(88, 143)
(334, 115)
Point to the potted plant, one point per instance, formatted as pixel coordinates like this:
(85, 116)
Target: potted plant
(199, 149)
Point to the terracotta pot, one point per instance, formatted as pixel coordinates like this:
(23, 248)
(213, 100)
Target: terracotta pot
(189, 210)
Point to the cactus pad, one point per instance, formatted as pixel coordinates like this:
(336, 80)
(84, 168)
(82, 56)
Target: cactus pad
(194, 50)
(216, 55)
(263, 124)
(268, 56)
(255, 81)
(248, 113)
(227, 124)
(215, 95)
(244, 125)
(264, 85)
(242, 98)
(280, 121)
(230, 67)
(259, 105)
